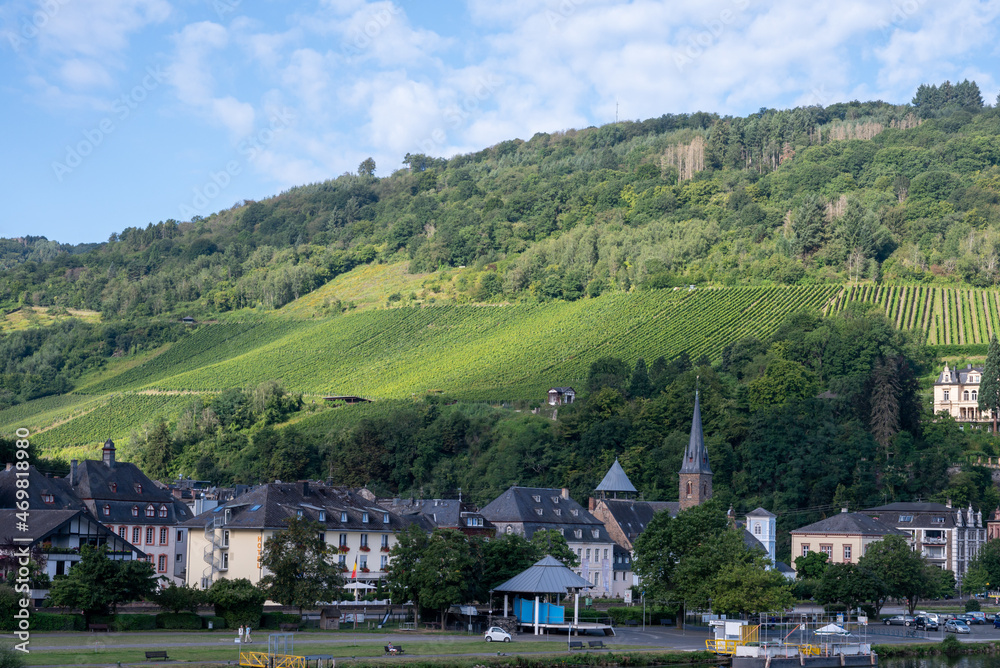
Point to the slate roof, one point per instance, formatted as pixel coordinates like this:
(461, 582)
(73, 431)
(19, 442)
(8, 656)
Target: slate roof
(269, 506)
(547, 576)
(696, 456)
(923, 515)
(850, 523)
(633, 517)
(615, 480)
(433, 513)
(38, 485)
(760, 512)
(125, 490)
(959, 376)
(782, 567)
(563, 390)
(46, 522)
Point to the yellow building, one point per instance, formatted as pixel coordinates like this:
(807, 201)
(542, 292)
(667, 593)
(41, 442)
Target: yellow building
(844, 537)
(227, 542)
(956, 392)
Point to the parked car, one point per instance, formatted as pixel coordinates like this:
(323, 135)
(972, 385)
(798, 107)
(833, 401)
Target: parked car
(925, 623)
(929, 615)
(498, 634)
(971, 619)
(899, 620)
(978, 617)
(956, 626)
(996, 621)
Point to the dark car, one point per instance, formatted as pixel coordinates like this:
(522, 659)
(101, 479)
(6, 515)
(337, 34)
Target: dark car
(996, 622)
(925, 623)
(971, 619)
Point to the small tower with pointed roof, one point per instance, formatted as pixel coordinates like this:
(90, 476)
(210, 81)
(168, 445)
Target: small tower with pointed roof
(616, 483)
(696, 474)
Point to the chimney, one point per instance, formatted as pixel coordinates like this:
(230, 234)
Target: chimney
(590, 504)
(948, 503)
(565, 492)
(10, 465)
(72, 472)
(303, 486)
(109, 453)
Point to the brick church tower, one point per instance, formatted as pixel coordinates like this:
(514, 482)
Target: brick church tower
(696, 474)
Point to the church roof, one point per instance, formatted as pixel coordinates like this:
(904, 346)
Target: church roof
(616, 481)
(696, 456)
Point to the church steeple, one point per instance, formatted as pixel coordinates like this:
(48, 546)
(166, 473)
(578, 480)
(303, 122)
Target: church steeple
(695, 474)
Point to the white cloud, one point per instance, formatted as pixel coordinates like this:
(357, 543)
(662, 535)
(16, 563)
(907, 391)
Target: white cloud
(81, 74)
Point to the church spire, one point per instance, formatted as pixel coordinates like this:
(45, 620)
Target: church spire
(695, 473)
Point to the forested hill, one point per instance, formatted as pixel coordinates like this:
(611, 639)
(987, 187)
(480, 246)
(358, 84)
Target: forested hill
(852, 191)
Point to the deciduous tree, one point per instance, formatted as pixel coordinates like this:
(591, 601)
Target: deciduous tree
(301, 565)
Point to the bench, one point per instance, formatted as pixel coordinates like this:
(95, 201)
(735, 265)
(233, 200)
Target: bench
(396, 649)
(576, 644)
(157, 654)
(630, 622)
(97, 627)
(289, 627)
(666, 622)
(597, 644)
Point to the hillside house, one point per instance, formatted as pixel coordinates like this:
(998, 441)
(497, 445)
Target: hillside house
(843, 537)
(560, 396)
(956, 392)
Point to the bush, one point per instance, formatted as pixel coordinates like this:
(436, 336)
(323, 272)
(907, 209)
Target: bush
(50, 621)
(951, 646)
(274, 620)
(217, 622)
(10, 657)
(972, 605)
(178, 620)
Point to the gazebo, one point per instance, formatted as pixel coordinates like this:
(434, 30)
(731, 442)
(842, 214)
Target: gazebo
(546, 577)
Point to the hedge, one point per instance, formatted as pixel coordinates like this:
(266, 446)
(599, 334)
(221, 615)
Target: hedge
(178, 620)
(634, 614)
(125, 622)
(274, 620)
(51, 621)
(217, 622)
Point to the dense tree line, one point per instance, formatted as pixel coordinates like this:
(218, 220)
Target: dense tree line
(850, 191)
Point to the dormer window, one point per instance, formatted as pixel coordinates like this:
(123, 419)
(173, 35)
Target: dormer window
(364, 517)
(509, 529)
(48, 498)
(574, 512)
(537, 498)
(538, 511)
(343, 516)
(557, 511)
(578, 533)
(595, 533)
(555, 499)
(150, 511)
(107, 510)
(113, 486)
(385, 518)
(138, 488)
(163, 511)
(322, 516)
(298, 513)
(135, 511)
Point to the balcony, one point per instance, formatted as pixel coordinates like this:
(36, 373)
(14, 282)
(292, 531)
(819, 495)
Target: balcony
(934, 541)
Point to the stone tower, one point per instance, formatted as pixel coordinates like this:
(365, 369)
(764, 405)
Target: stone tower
(696, 474)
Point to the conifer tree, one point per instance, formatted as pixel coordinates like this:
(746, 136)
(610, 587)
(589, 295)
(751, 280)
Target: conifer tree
(989, 386)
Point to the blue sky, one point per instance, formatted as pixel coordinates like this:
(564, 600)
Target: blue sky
(134, 111)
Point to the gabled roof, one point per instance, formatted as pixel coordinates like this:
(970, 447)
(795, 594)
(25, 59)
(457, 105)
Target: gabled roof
(563, 390)
(760, 512)
(432, 513)
(547, 576)
(633, 517)
(615, 480)
(538, 505)
(850, 523)
(696, 456)
(39, 485)
(959, 376)
(45, 523)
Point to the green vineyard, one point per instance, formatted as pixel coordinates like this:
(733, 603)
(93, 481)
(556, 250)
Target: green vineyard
(946, 316)
(478, 353)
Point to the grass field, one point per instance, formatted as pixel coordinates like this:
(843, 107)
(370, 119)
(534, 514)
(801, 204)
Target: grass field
(36, 316)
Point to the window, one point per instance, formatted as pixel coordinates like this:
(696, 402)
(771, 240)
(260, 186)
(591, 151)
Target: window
(946, 396)
(322, 516)
(163, 511)
(298, 513)
(538, 511)
(106, 509)
(965, 395)
(595, 533)
(150, 535)
(558, 511)
(975, 379)
(689, 488)
(575, 512)
(805, 549)
(342, 560)
(136, 535)
(179, 557)
(605, 553)
(138, 488)
(385, 540)
(225, 561)
(827, 550)
(164, 533)
(756, 528)
(906, 518)
(537, 498)
(363, 562)
(343, 540)
(254, 508)
(49, 498)
(180, 536)
(364, 540)
(113, 486)
(385, 563)
(161, 563)
(975, 395)
(509, 529)
(578, 533)
(555, 499)
(150, 511)
(135, 511)
(937, 520)
(847, 553)
(588, 553)
(343, 516)
(385, 518)
(322, 537)
(225, 538)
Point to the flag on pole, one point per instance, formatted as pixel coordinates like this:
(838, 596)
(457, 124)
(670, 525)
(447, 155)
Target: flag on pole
(354, 573)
